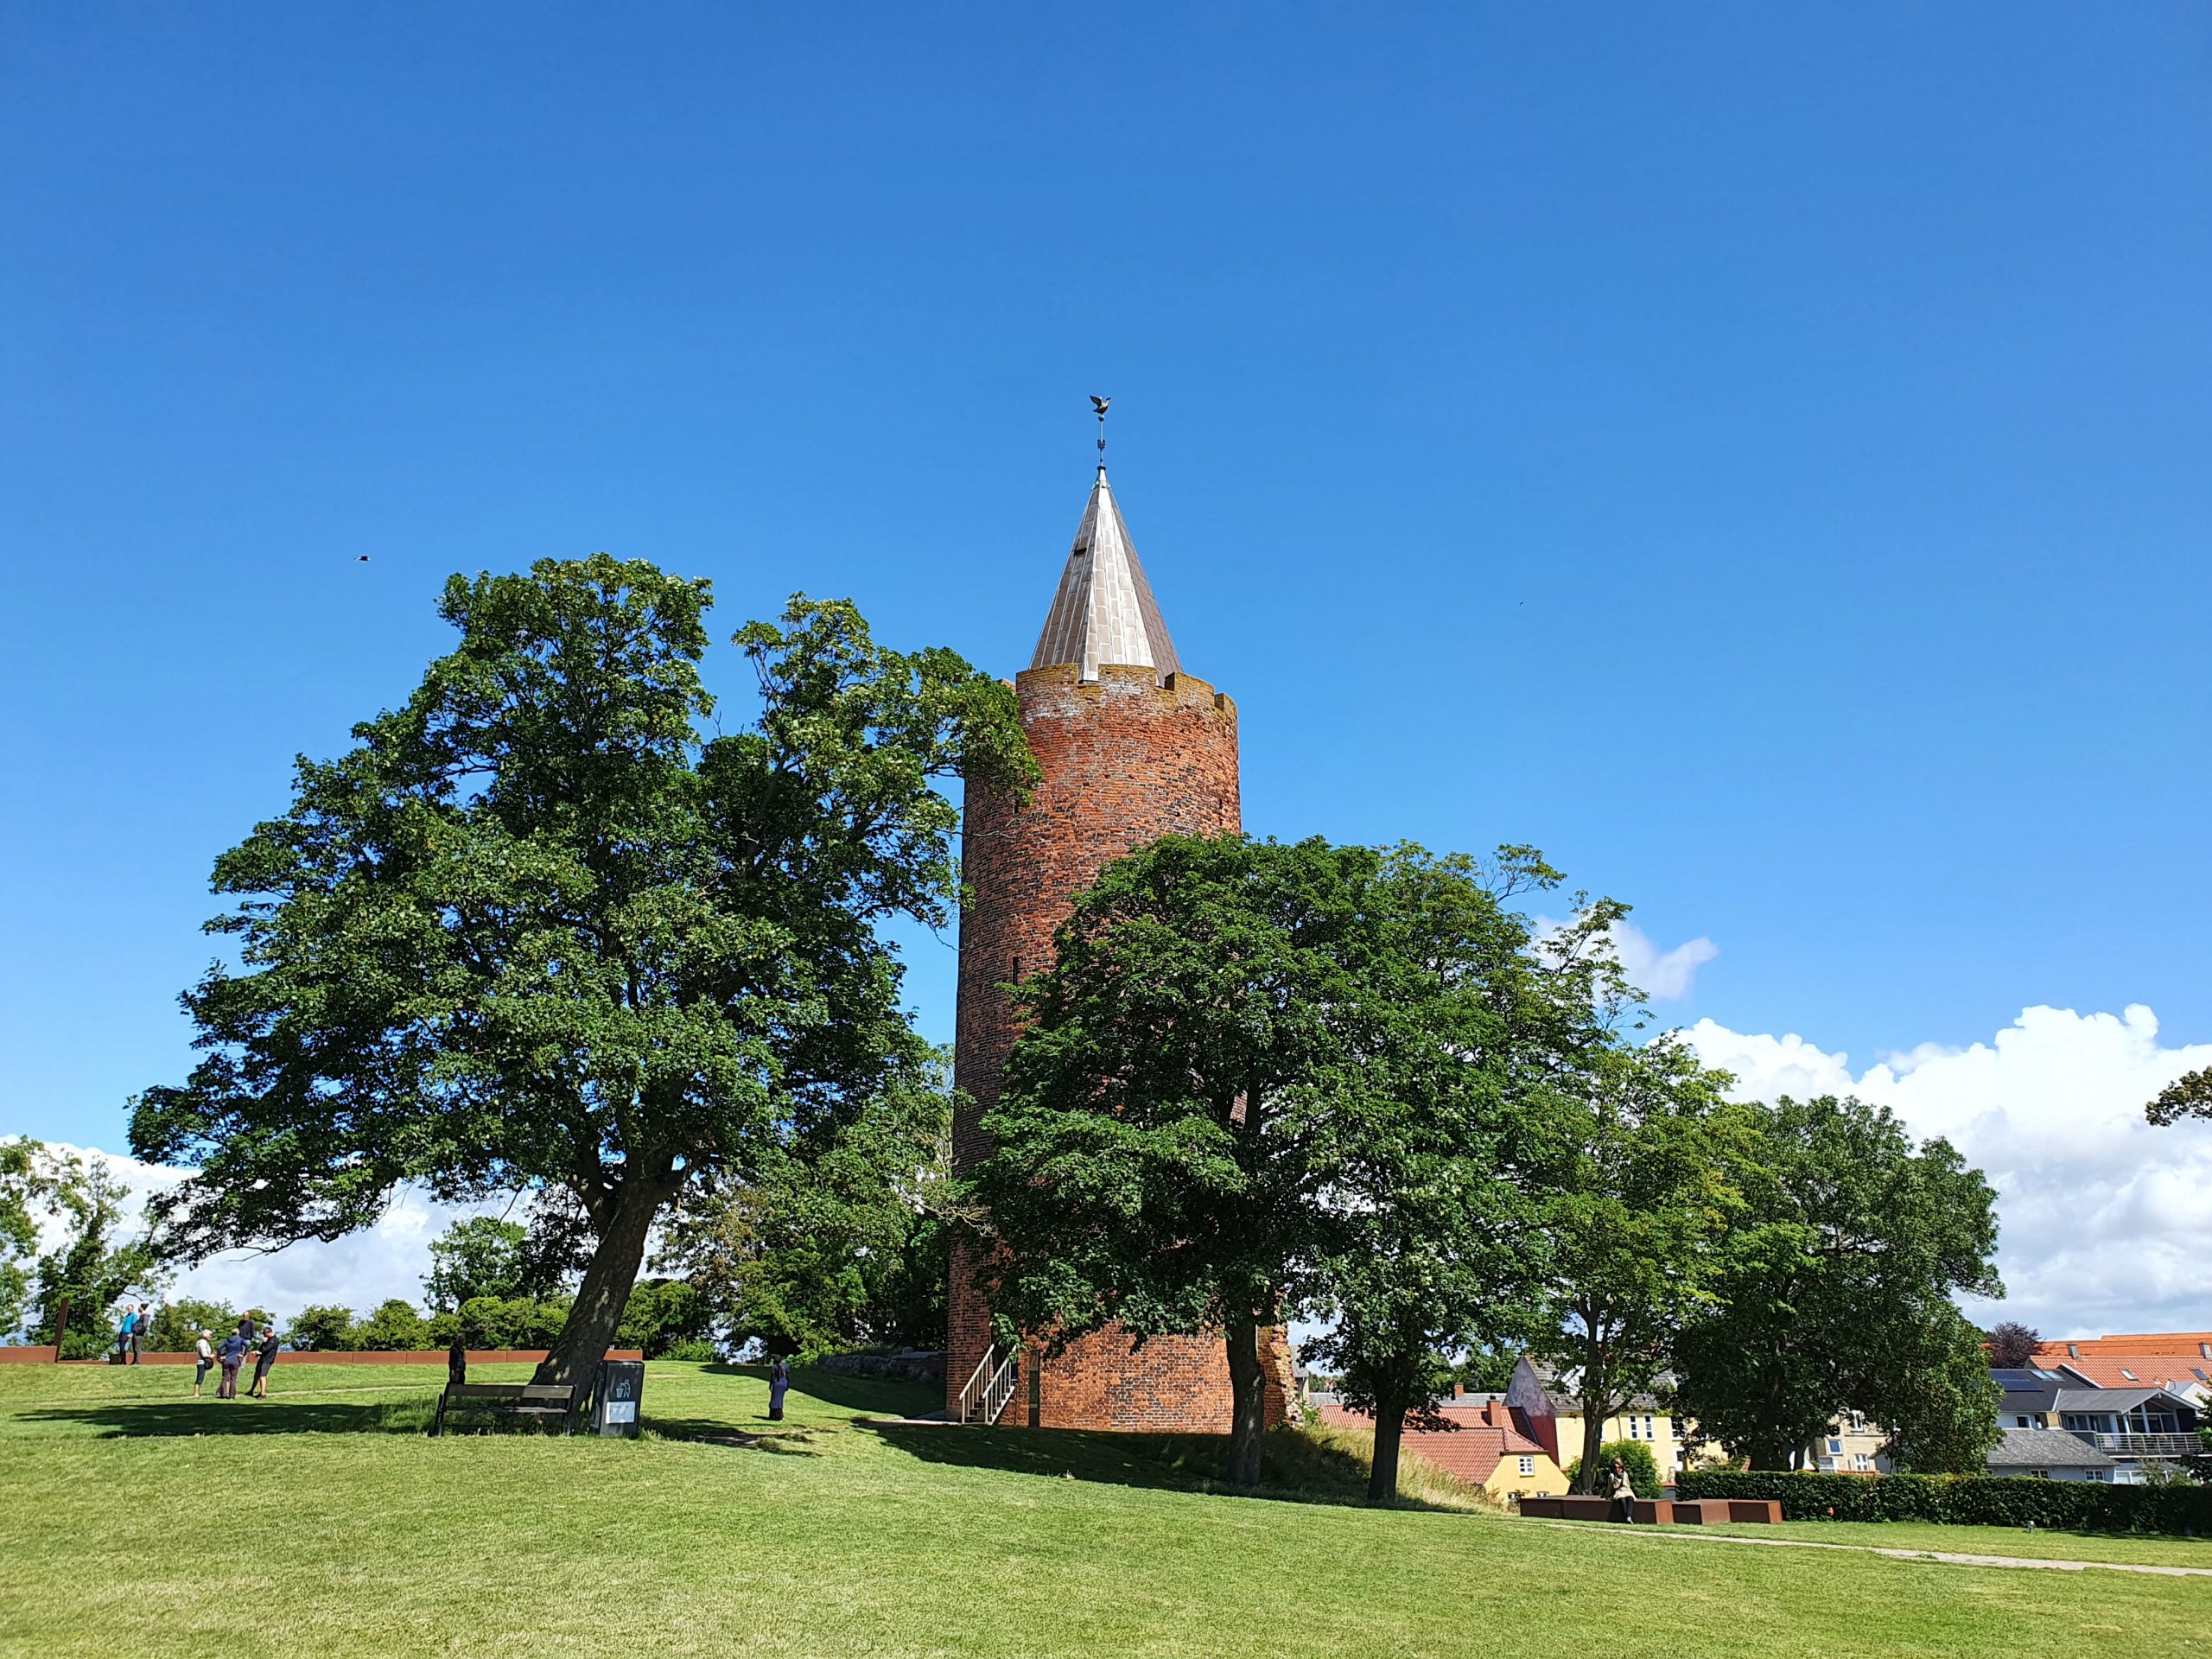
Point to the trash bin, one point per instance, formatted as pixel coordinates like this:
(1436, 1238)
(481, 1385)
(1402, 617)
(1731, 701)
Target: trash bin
(620, 1386)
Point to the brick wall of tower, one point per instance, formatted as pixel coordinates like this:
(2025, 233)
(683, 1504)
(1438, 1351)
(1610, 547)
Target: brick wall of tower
(1124, 760)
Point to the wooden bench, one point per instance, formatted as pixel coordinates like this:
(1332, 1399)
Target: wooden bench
(541, 1402)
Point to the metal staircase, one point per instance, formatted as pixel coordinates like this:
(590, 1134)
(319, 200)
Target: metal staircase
(986, 1392)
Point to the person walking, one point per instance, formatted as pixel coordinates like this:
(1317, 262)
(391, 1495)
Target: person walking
(231, 1356)
(123, 1335)
(1624, 1491)
(267, 1357)
(204, 1353)
(779, 1380)
(142, 1331)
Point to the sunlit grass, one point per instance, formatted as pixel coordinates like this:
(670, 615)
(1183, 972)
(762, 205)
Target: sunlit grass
(130, 1515)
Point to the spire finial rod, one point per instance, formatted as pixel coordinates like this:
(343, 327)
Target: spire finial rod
(1099, 405)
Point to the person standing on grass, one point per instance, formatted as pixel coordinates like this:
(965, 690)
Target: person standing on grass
(141, 1331)
(268, 1357)
(780, 1380)
(1623, 1494)
(122, 1336)
(204, 1353)
(232, 1355)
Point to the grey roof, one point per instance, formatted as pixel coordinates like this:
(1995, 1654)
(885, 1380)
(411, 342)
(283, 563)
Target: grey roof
(1560, 1392)
(2112, 1399)
(2045, 1448)
(1104, 611)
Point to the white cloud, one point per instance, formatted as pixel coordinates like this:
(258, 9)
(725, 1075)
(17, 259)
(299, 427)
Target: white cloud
(2106, 1221)
(1663, 975)
(390, 1258)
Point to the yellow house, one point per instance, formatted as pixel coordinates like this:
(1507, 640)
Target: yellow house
(1538, 1396)
(1485, 1446)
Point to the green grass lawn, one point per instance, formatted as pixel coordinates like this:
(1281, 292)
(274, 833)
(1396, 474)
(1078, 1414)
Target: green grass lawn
(323, 1521)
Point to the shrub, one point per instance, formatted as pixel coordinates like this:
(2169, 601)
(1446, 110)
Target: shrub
(1963, 1500)
(394, 1326)
(177, 1324)
(324, 1328)
(509, 1322)
(1636, 1456)
(698, 1349)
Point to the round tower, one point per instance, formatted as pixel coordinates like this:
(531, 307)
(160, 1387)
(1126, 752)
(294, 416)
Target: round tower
(1130, 749)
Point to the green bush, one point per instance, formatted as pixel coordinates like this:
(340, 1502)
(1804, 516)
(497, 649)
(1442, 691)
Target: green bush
(177, 1324)
(509, 1322)
(1963, 1500)
(1636, 1456)
(698, 1349)
(394, 1326)
(324, 1328)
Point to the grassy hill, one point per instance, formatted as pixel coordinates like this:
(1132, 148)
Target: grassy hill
(323, 1521)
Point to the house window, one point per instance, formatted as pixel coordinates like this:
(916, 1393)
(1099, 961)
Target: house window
(2038, 1474)
(1648, 1435)
(1631, 1428)
(1528, 1465)
(2020, 1422)
(1835, 1446)
(2097, 1474)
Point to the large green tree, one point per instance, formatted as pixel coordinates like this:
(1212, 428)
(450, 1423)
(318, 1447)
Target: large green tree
(1638, 1192)
(1158, 1159)
(538, 929)
(1432, 1153)
(97, 1264)
(848, 1248)
(30, 1182)
(1833, 1288)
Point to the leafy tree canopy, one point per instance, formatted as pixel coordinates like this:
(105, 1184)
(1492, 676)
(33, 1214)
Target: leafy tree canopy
(847, 1250)
(1159, 1157)
(1431, 1153)
(1833, 1292)
(2012, 1345)
(2186, 1097)
(1637, 1196)
(537, 930)
(96, 1265)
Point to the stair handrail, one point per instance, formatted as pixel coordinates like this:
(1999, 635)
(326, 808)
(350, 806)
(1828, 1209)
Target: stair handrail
(1001, 1386)
(972, 1392)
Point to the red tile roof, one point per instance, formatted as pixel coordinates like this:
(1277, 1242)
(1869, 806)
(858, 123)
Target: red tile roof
(1483, 1437)
(2137, 1370)
(2174, 1344)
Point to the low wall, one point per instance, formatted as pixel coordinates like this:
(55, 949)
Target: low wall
(310, 1356)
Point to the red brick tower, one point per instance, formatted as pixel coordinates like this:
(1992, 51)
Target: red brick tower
(1131, 747)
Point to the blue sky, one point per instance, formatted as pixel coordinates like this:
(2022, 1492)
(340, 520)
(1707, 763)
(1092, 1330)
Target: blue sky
(1756, 454)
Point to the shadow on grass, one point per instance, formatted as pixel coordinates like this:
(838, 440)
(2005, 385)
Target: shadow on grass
(779, 1439)
(190, 1417)
(889, 1396)
(1295, 1468)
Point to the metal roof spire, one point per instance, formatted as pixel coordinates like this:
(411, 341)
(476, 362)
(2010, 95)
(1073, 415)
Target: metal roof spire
(1103, 611)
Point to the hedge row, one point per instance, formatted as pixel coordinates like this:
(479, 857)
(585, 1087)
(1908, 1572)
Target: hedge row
(1963, 1500)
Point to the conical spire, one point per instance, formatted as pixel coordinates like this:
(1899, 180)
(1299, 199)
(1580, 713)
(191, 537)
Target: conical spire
(1104, 611)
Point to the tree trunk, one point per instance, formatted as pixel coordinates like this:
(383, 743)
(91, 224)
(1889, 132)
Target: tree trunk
(1593, 1440)
(1248, 1418)
(576, 1354)
(1389, 1434)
